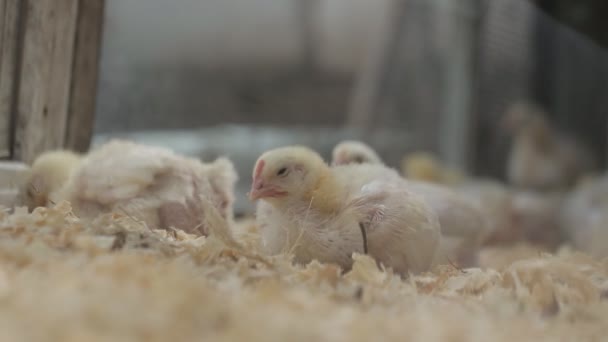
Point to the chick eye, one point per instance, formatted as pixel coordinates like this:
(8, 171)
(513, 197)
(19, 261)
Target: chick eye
(282, 172)
(359, 159)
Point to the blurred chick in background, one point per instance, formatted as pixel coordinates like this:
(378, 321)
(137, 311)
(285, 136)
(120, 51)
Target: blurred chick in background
(584, 217)
(150, 184)
(351, 151)
(45, 178)
(494, 201)
(426, 167)
(327, 213)
(462, 224)
(541, 157)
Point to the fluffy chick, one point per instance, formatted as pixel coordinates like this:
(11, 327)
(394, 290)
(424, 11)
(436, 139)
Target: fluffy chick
(495, 202)
(327, 214)
(584, 217)
(535, 214)
(462, 225)
(541, 157)
(425, 167)
(151, 184)
(46, 176)
(351, 151)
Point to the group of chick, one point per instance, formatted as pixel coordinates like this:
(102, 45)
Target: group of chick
(315, 210)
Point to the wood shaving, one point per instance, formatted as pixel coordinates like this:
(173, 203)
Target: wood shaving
(113, 279)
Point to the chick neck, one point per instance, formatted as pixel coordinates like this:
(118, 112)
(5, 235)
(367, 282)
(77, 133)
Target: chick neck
(324, 195)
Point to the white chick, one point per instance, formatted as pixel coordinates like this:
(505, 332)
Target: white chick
(351, 151)
(462, 225)
(494, 201)
(47, 174)
(327, 214)
(584, 217)
(542, 158)
(151, 184)
(535, 215)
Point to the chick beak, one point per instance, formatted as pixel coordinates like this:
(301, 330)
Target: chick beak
(259, 189)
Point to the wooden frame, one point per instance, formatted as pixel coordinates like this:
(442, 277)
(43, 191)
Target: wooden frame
(49, 54)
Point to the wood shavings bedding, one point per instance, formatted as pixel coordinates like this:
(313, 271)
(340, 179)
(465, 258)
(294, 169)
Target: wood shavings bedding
(113, 279)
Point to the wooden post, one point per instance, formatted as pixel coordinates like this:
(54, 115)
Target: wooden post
(85, 74)
(9, 37)
(48, 74)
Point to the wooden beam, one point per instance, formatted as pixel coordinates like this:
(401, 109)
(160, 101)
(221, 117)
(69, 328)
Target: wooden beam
(46, 73)
(85, 75)
(9, 42)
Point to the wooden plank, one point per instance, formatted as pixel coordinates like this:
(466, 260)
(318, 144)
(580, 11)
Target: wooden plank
(9, 23)
(46, 68)
(85, 74)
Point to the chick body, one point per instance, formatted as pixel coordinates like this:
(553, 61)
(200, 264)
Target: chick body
(462, 225)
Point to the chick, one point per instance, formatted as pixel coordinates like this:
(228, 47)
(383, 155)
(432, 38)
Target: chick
(328, 213)
(425, 167)
(462, 225)
(151, 184)
(535, 214)
(541, 157)
(350, 151)
(584, 217)
(46, 176)
(495, 202)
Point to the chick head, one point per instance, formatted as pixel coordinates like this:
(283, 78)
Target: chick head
(287, 172)
(48, 173)
(351, 151)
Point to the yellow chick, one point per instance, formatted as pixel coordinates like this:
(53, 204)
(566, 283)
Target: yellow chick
(462, 225)
(46, 176)
(425, 167)
(328, 213)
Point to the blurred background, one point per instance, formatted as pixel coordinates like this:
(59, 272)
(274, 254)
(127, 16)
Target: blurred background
(237, 77)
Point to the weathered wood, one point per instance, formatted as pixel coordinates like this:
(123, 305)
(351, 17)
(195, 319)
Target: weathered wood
(85, 74)
(9, 34)
(46, 71)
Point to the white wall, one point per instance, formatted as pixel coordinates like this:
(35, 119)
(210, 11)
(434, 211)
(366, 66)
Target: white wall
(236, 33)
